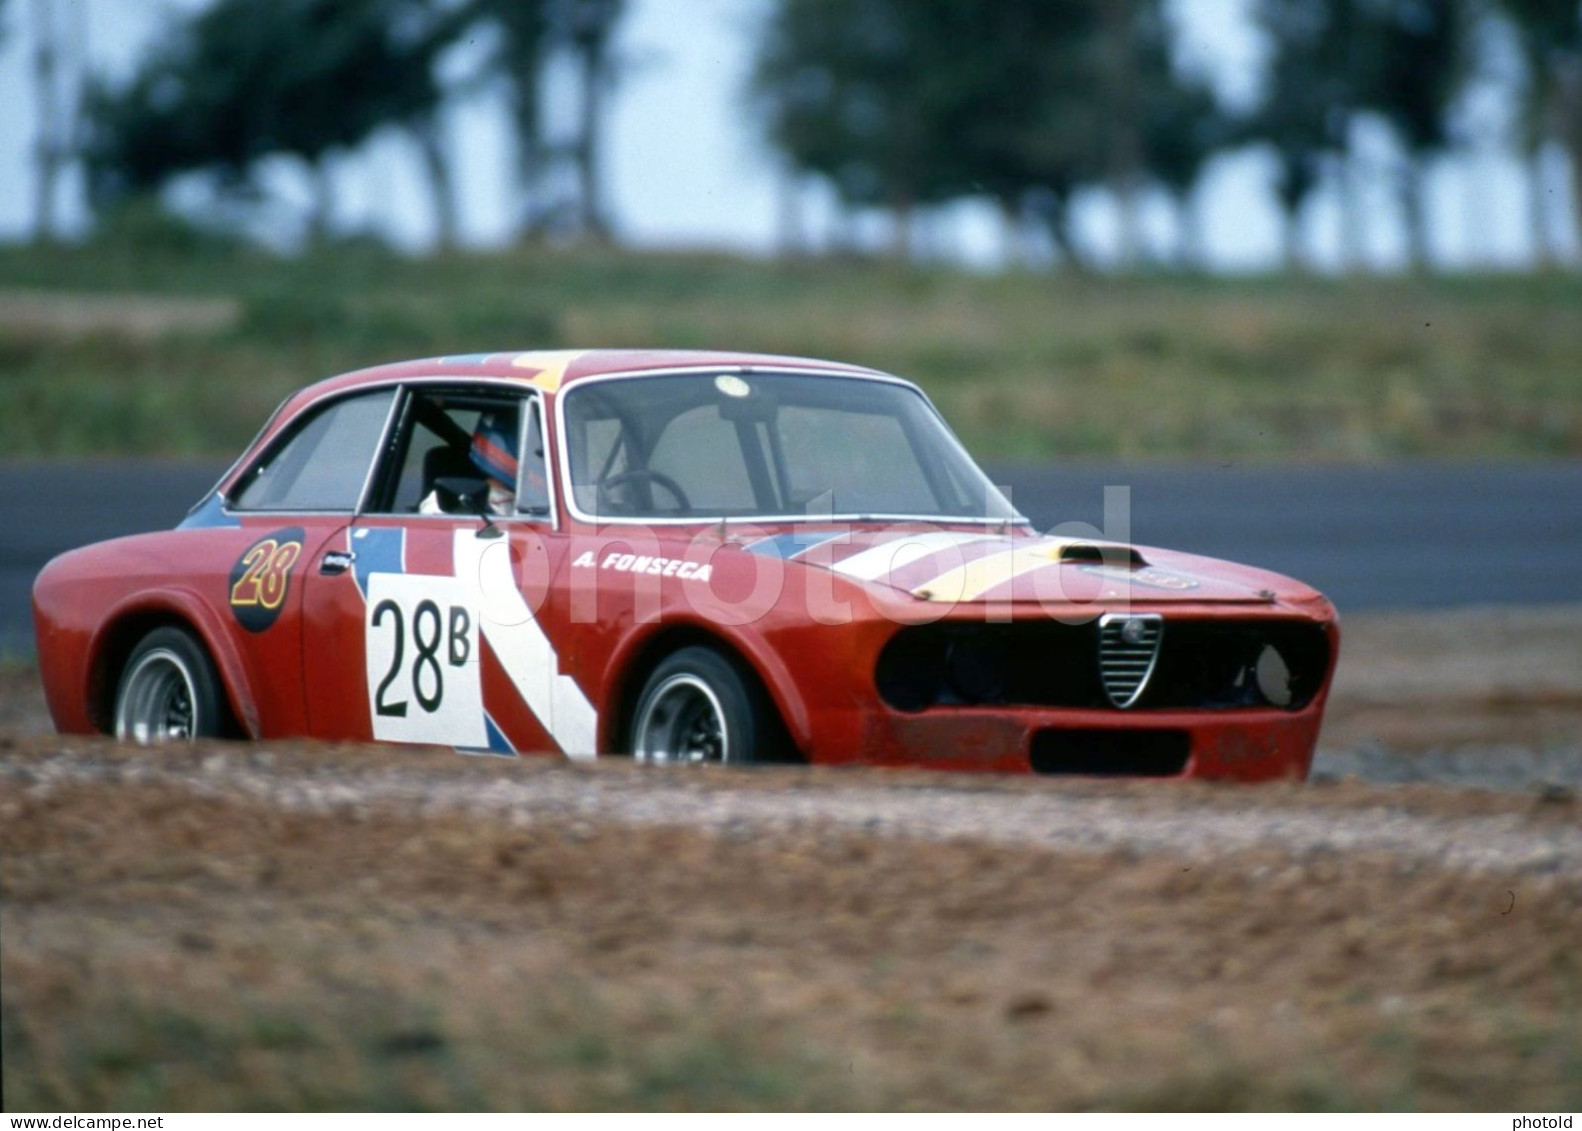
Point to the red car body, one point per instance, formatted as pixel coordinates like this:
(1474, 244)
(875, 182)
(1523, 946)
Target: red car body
(960, 645)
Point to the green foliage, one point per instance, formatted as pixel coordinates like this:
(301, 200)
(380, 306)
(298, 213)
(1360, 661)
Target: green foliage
(856, 93)
(1556, 24)
(901, 104)
(1307, 102)
(1421, 65)
(1331, 60)
(140, 226)
(245, 79)
(1549, 33)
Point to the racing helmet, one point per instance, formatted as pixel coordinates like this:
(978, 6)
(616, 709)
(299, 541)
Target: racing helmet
(494, 447)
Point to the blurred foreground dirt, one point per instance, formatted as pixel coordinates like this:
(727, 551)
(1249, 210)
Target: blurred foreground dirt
(300, 925)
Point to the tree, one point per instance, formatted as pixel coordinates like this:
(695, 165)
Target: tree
(1418, 61)
(903, 104)
(1182, 126)
(522, 44)
(589, 28)
(55, 66)
(854, 91)
(527, 34)
(1316, 77)
(246, 79)
(1550, 35)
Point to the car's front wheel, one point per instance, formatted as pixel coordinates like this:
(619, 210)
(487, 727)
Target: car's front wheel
(168, 692)
(697, 708)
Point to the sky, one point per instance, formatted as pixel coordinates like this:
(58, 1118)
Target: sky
(687, 166)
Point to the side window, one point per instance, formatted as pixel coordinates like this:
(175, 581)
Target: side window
(323, 464)
(461, 439)
(437, 445)
(532, 495)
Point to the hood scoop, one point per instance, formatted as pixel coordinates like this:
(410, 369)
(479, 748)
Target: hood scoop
(1101, 553)
(972, 580)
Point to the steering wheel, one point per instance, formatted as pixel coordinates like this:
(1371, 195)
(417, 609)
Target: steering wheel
(645, 475)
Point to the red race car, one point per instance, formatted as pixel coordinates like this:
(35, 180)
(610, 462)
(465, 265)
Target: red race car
(687, 557)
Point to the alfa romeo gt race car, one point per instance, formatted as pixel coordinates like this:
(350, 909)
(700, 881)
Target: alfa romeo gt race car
(687, 557)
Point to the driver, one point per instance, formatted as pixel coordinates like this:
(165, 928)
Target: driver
(493, 452)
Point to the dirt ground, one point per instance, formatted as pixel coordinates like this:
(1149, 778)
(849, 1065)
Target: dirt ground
(302, 926)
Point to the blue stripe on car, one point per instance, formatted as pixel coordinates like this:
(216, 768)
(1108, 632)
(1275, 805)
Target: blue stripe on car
(787, 546)
(378, 549)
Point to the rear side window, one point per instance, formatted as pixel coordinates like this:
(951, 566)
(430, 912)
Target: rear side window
(323, 464)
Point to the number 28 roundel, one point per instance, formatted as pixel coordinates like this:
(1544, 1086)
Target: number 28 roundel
(261, 578)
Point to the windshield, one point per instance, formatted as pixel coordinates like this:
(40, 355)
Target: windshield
(768, 446)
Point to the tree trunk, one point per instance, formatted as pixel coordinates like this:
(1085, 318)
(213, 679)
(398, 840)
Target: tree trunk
(590, 208)
(1353, 237)
(1568, 120)
(1537, 209)
(1299, 174)
(1414, 204)
(1055, 214)
(790, 222)
(442, 186)
(48, 149)
(1191, 254)
(528, 159)
(1128, 224)
(1012, 248)
(1067, 239)
(1291, 238)
(903, 213)
(843, 228)
(1125, 149)
(1575, 149)
(321, 220)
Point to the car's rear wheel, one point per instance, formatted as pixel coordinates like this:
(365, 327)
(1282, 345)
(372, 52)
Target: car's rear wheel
(168, 692)
(699, 708)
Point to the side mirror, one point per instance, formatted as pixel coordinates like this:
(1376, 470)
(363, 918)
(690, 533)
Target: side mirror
(462, 494)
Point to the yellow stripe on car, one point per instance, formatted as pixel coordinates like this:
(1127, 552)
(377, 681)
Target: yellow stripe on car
(551, 366)
(970, 581)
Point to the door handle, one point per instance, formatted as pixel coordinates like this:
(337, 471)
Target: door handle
(336, 562)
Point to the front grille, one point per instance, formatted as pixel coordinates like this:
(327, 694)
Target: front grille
(1198, 665)
(1128, 650)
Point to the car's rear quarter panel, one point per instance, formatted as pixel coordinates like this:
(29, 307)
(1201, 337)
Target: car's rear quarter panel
(92, 605)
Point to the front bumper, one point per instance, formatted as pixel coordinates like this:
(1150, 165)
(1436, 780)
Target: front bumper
(1251, 744)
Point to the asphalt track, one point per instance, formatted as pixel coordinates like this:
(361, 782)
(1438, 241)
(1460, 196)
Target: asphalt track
(1409, 536)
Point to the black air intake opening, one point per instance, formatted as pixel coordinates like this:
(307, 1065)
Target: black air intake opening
(1111, 753)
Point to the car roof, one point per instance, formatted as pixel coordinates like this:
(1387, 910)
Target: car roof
(550, 370)
(545, 370)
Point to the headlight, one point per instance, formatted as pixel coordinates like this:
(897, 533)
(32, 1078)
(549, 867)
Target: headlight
(1274, 676)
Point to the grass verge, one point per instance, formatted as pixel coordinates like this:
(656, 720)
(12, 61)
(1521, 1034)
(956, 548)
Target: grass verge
(1023, 365)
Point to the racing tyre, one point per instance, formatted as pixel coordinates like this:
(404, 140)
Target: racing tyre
(169, 691)
(699, 708)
